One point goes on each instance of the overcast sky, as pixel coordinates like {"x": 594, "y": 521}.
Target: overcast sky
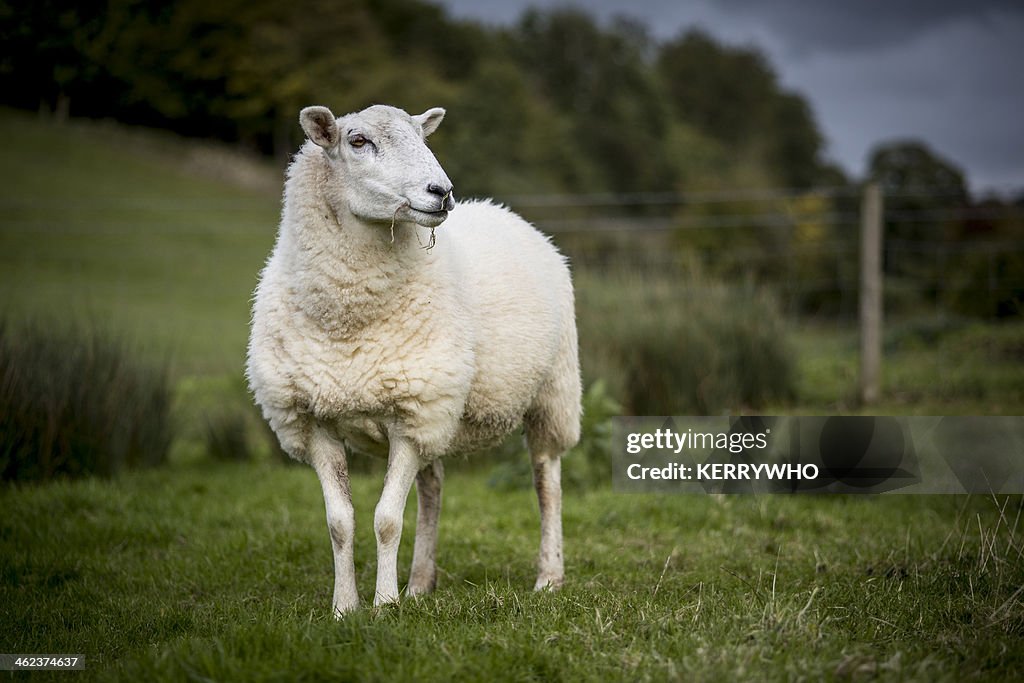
{"x": 950, "y": 72}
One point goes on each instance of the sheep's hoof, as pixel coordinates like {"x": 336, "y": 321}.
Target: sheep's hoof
{"x": 343, "y": 610}
{"x": 385, "y": 601}
{"x": 548, "y": 583}
{"x": 419, "y": 585}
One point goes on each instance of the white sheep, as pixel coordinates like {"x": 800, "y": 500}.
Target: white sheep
{"x": 368, "y": 335}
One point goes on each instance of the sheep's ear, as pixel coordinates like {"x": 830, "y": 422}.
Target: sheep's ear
{"x": 320, "y": 125}
{"x": 430, "y": 120}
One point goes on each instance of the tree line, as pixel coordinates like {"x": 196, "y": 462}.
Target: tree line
{"x": 558, "y": 103}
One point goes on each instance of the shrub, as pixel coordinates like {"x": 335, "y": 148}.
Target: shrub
{"x": 589, "y": 463}
{"x": 679, "y": 345}
{"x": 921, "y": 332}
{"x": 75, "y": 403}
{"x": 986, "y": 284}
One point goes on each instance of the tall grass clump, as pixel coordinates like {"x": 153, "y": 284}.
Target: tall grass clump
{"x": 227, "y": 437}
{"x": 75, "y": 402}
{"x": 677, "y": 344}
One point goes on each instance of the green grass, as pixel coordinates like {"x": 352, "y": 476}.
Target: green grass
{"x": 976, "y": 369}
{"x": 223, "y": 572}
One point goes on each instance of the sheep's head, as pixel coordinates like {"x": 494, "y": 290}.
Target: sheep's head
{"x": 385, "y": 172}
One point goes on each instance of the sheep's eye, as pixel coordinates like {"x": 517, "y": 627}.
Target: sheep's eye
{"x": 357, "y": 141}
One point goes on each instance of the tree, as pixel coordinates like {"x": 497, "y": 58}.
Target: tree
{"x": 732, "y": 95}
{"x": 794, "y": 143}
{"x": 503, "y": 139}
{"x": 586, "y": 105}
{"x": 724, "y": 92}
{"x": 924, "y": 194}
{"x": 910, "y": 167}
{"x": 49, "y": 52}
{"x": 598, "y": 78}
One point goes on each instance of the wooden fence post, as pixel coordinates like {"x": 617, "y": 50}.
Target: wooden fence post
{"x": 870, "y": 293}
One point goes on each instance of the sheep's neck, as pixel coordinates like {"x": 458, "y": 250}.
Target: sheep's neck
{"x": 350, "y": 274}
{"x": 345, "y": 273}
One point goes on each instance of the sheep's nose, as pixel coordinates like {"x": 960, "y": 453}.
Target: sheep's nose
{"x": 445, "y": 195}
{"x": 441, "y": 192}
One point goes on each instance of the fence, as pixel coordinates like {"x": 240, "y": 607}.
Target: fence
{"x": 828, "y": 252}
{"x": 938, "y": 259}
{"x": 803, "y": 244}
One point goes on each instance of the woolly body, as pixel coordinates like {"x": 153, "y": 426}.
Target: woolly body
{"x": 457, "y": 344}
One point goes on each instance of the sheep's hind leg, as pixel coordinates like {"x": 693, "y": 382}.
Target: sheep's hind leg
{"x": 328, "y": 459}
{"x": 547, "y": 479}
{"x": 423, "y": 577}
{"x": 403, "y": 464}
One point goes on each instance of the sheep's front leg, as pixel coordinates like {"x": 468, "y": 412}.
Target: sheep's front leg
{"x": 328, "y": 458}
{"x": 403, "y": 464}
{"x": 423, "y": 577}
{"x": 547, "y": 479}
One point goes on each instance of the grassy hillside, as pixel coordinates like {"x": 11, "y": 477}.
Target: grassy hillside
{"x": 137, "y": 231}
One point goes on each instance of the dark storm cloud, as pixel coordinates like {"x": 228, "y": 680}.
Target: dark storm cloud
{"x": 957, "y": 87}
{"x": 864, "y": 24}
{"x": 825, "y": 24}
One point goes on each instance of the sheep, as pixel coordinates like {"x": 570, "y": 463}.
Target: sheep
{"x": 375, "y": 328}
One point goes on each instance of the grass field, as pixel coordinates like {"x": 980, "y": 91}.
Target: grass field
{"x": 202, "y": 571}
{"x": 135, "y": 232}
{"x": 224, "y": 573}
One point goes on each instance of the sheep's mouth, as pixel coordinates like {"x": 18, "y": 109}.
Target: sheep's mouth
{"x": 439, "y": 212}
{"x": 428, "y": 218}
